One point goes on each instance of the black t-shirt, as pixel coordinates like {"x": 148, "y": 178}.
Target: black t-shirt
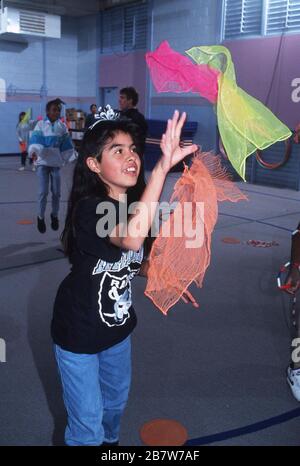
{"x": 137, "y": 118}
{"x": 93, "y": 309}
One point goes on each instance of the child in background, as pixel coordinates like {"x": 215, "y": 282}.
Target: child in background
{"x": 50, "y": 147}
{"x": 128, "y": 100}
{"x": 90, "y": 119}
{"x": 93, "y": 313}
{"x": 23, "y": 129}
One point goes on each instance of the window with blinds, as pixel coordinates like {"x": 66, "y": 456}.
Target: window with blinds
{"x": 259, "y": 17}
{"x": 242, "y": 17}
{"x": 283, "y": 15}
{"x": 112, "y": 30}
{"x": 124, "y": 28}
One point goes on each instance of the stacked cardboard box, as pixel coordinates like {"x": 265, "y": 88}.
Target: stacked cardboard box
{"x": 76, "y": 118}
{"x": 75, "y": 121}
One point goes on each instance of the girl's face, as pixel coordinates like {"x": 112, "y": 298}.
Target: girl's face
{"x": 120, "y": 164}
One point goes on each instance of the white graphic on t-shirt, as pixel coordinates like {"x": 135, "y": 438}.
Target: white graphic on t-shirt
{"x": 121, "y": 306}
{"x": 118, "y": 290}
{"x": 126, "y": 259}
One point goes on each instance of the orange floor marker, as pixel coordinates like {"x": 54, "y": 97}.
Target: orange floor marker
{"x": 25, "y": 222}
{"x": 163, "y": 432}
{"x": 231, "y": 240}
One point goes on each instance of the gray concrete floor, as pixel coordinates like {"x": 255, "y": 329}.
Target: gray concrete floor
{"x": 216, "y": 369}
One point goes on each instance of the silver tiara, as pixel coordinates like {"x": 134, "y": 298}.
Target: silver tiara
{"x": 105, "y": 114}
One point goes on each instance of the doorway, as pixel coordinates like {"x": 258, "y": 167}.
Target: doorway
{"x": 110, "y": 95}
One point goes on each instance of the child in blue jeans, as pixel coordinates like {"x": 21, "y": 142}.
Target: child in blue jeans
{"x": 93, "y": 313}
{"x": 50, "y": 146}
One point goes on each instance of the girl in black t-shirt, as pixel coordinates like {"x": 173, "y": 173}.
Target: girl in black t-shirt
{"x": 93, "y": 314}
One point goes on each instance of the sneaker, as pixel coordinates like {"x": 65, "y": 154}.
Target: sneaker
{"x": 293, "y": 379}
{"x": 21, "y": 169}
{"x": 54, "y": 222}
{"x": 33, "y": 168}
{"x": 41, "y": 225}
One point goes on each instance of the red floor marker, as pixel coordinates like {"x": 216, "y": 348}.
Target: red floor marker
{"x": 25, "y": 222}
{"x": 163, "y": 432}
{"x": 231, "y": 240}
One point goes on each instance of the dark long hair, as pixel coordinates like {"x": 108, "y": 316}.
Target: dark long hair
{"x": 87, "y": 184}
{"x": 21, "y": 115}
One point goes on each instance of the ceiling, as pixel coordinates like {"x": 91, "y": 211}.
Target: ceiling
{"x": 65, "y": 7}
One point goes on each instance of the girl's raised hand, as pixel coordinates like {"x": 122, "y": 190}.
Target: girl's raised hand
{"x": 172, "y": 153}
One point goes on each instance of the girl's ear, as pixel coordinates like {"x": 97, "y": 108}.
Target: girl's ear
{"x": 93, "y": 164}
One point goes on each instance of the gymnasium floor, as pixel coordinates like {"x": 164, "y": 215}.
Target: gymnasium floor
{"x": 219, "y": 370}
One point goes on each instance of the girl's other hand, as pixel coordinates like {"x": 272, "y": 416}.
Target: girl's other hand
{"x": 172, "y": 153}
{"x": 187, "y": 297}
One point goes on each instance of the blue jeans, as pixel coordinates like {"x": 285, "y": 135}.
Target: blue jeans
{"x": 95, "y": 391}
{"x": 44, "y": 173}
